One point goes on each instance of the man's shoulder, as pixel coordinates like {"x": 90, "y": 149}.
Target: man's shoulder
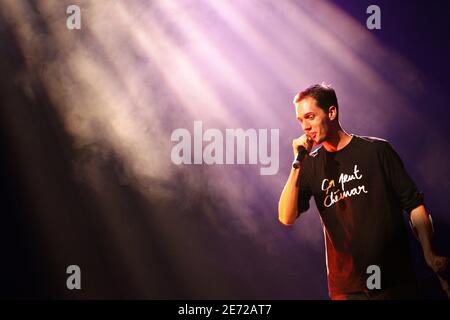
{"x": 370, "y": 141}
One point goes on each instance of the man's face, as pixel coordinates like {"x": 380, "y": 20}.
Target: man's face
{"x": 314, "y": 121}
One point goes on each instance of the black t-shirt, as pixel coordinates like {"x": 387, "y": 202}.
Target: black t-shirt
{"x": 361, "y": 192}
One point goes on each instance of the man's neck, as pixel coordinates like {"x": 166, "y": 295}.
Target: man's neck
{"x": 337, "y": 140}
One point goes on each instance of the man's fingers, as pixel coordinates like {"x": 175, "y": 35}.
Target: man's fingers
{"x": 444, "y": 285}
{"x": 439, "y": 266}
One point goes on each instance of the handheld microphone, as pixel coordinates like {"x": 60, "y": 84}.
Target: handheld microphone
{"x": 302, "y": 153}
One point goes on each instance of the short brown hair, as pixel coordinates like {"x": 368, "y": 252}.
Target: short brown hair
{"x": 324, "y": 95}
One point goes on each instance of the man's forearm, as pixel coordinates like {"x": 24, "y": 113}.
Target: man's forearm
{"x": 287, "y": 206}
{"x": 424, "y": 231}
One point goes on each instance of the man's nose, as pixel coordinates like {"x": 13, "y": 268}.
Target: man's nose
{"x": 306, "y": 127}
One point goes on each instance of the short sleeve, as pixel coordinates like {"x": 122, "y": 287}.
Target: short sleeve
{"x": 402, "y": 185}
{"x": 304, "y": 193}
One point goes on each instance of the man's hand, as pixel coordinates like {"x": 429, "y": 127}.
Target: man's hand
{"x": 437, "y": 263}
{"x": 423, "y": 230}
{"x": 302, "y": 141}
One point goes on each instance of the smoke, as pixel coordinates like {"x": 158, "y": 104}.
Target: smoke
{"x": 136, "y": 71}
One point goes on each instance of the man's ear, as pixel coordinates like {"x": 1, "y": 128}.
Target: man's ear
{"x": 332, "y": 113}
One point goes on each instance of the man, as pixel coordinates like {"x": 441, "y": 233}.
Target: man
{"x": 361, "y": 190}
